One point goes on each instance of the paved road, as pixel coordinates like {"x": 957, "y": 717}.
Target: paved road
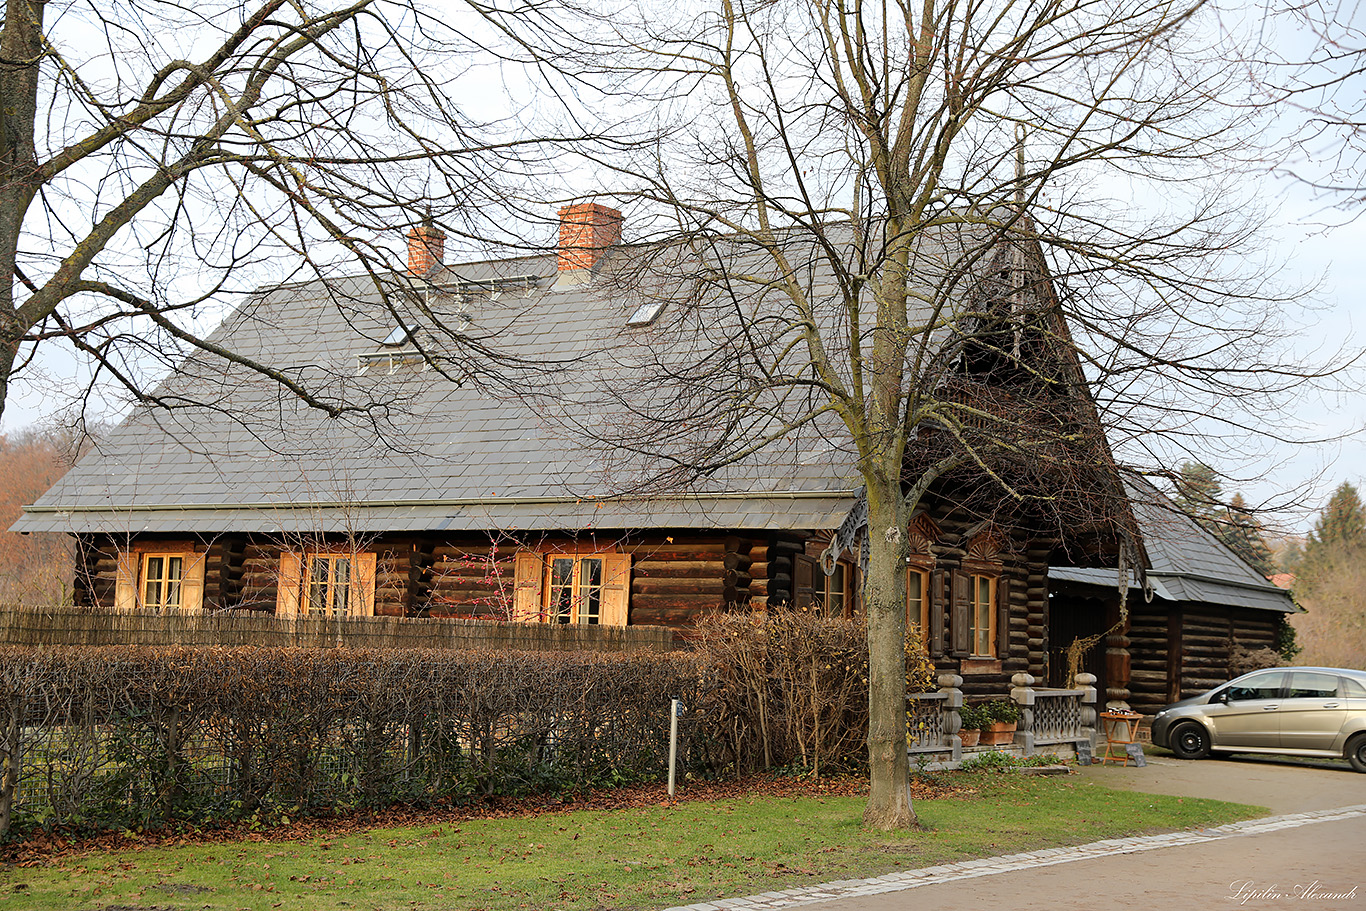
{"x": 1255, "y": 872}
{"x": 1318, "y": 864}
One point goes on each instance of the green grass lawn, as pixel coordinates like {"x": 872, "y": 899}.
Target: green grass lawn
{"x": 633, "y": 858}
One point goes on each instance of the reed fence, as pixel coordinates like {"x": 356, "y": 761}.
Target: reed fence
{"x": 70, "y": 626}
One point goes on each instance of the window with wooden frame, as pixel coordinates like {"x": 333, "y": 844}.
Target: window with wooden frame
{"x": 982, "y": 612}
{"x": 326, "y": 583}
{"x": 834, "y": 595}
{"x": 980, "y": 600}
{"x": 581, "y": 587}
{"x": 160, "y": 576}
{"x": 835, "y": 592}
{"x": 918, "y": 600}
{"x": 924, "y": 599}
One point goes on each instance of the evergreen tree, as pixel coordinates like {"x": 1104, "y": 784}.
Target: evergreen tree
{"x": 1337, "y": 542}
{"x": 1342, "y": 522}
{"x": 1241, "y": 531}
{"x": 1198, "y": 493}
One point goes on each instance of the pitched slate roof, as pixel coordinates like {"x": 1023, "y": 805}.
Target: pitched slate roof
{"x": 1188, "y": 564}
{"x": 244, "y": 455}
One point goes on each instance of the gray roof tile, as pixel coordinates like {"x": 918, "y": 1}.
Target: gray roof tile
{"x": 1188, "y": 564}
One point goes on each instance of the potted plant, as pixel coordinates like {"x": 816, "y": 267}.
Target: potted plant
{"x": 1002, "y": 717}
{"x": 974, "y": 719}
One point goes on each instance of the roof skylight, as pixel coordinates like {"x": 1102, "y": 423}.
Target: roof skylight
{"x": 645, "y": 314}
{"x": 399, "y": 336}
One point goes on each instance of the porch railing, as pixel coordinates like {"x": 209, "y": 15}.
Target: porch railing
{"x": 1048, "y": 715}
{"x": 1051, "y": 716}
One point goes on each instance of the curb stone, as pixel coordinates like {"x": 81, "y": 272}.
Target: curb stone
{"x": 989, "y": 866}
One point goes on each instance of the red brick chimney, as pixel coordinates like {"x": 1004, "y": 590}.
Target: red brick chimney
{"x": 587, "y": 230}
{"x": 426, "y": 248}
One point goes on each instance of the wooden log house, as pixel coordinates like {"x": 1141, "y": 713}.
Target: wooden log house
{"x": 473, "y": 505}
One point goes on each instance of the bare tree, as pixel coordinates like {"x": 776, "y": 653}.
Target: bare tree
{"x": 159, "y": 160}
{"x": 37, "y": 569}
{"x": 1311, "y": 62}
{"x": 955, "y": 241}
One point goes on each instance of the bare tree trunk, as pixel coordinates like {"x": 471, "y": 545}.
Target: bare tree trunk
{"x": 21, "y": 48}
{"x": 884, "y": 603}
{"x": 10, "y": 771}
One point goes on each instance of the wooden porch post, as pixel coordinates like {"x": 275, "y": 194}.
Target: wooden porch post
{"x": 1117, "y": 666}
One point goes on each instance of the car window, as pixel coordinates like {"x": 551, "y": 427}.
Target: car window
{"x": 1305, "y": 685}
{"x": 1262, "y": 686}
{"x": 1353, "y": 688}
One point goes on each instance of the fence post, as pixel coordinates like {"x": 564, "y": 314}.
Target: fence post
{"x": 1022, "y": 692}
{"x": 11, "y": 749}
{"x": 1087, "y": 683}
{"x": 953, "y": 723}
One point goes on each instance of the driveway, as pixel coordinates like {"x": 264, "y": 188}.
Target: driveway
{"x": 1310, "y": 855}
{"x": 1281, "y": 785}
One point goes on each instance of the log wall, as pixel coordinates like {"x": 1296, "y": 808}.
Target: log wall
{"x": 1149, "y": 653}
{"x": 472, "y": 579}
{"x": 1179, "y": 651}
{"x": 675, "y": 577}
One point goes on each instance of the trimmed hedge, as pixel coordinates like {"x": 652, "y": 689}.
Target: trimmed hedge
{"x": 109, "y": 737}
{"x": 94, "y": 738}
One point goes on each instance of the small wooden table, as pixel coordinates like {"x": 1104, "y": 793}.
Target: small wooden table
{"x": 1121, "y": 729}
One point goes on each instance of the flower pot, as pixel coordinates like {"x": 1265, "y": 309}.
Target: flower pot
{"x": 969, "y": 736}
{"x": 1000, "y": 733}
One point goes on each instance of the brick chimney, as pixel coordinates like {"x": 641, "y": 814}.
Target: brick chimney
{"x": 426, "y": 248}
{"x": 587, "y": 230}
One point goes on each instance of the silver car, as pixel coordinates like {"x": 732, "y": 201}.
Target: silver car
{"x": 1301, "y": 711}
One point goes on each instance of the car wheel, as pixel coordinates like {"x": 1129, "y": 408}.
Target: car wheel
{"x": 1189, "y": 741}
{"x": 1356, "y": 752}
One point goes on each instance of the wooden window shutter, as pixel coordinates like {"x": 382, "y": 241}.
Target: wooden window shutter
{"x": 362, "y": 595}
{"x": 960, "y": 614}
{"x": 126, "y": 581}
{"x": 192, "y": 583}
{"x": 1003, "y": 616}
{"x": 287, "y": 587}
{"x": 526, "y": 597}
{"x": 935, "y": 634}
{"x": 616, "y": 589}
{"x": 804, "y": 581}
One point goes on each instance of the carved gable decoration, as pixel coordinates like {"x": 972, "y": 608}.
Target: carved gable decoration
{"x": 986, "y": 546}
{"x": 922, "y": 533}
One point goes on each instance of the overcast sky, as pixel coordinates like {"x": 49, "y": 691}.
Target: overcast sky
{"x": 1319, "y": 245}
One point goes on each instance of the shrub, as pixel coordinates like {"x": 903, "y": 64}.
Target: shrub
{"x": 1001, "y": 761}
{"x": 1003, "y": 711}
{"x": 974, "y": 718}
{"x": 790, "y": 687}
{"x": 1244, "y": 660}
{"x": 142, "y": 737}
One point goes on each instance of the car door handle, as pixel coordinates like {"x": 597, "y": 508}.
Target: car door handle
{"x": 1270, "y": 708}
{"x": 1330, "y": 705}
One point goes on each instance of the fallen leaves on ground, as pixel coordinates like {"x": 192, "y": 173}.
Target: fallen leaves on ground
{"x": 44, "y": 849}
